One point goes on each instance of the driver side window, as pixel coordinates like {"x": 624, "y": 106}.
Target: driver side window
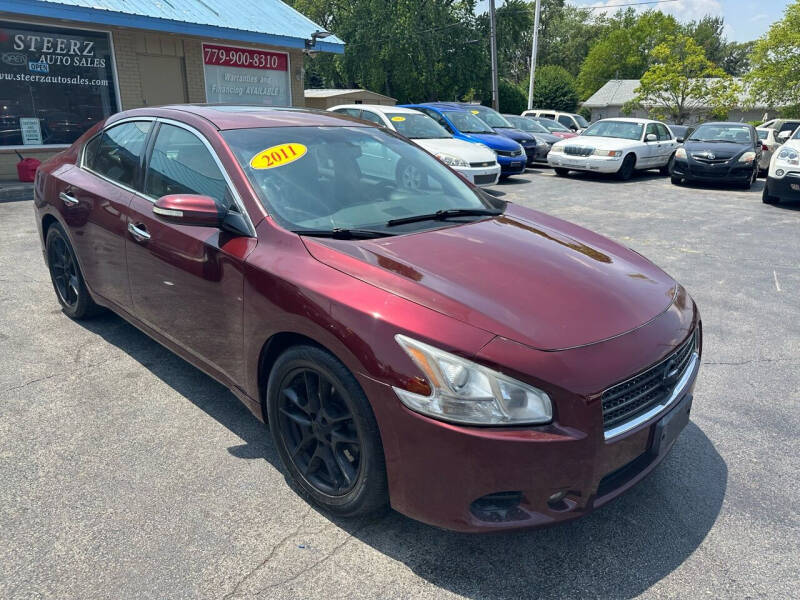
{"x": 180, "y": 163}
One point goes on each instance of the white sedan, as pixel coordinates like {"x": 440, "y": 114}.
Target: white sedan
{"x": 476, "y": 162}
{"x": 619, "y": 146}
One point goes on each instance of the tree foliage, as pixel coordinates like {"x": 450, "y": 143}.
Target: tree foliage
{"x": 512, "y": 98}
{"x": 775, "y": 78}
{"x": 682, "y": 81}
{"x": 555, "y": 88}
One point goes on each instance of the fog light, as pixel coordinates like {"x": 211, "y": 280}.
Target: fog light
{"x": 556, "y": 498}
{"x": 499, "y": 507}
{"x": 779, "y": 172}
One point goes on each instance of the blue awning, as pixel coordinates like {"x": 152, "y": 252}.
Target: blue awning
{"x": 268, "y": 22}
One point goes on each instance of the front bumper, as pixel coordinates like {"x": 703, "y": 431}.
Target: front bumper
{"x": 786, "y": 187}
{"x": 596, "y": 164}
{"x": 511, "y": 165}
{"x": 480, "y": 176}
{"x": 724, "y": 172}
{"x": 449, "y": 475}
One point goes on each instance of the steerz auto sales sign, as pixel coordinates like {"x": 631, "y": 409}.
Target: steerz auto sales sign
{"x": 246, "y": 76}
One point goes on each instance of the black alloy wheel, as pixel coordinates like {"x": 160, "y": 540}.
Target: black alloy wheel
{"x": 627, "y": 168}
{"x": 66, "y": 275}
{"x": 325, "y": 432}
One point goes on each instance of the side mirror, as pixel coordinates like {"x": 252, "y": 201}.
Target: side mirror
{"x": 650, "y": 137}
{"x": 679, "y": 140}
{"x": 784, "y": 135}
{"x": 189, "y": 209}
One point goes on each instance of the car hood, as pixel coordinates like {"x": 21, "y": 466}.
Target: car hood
{"x": 720, "y": 150}
{"x": 515, "y": 134}
{"x": 493, "y": 140}
{"x": 603, "y": 143}
{"x": 524, "y": 275}
{"x": 546, "y": 137}
{"x": 467, "y": 151}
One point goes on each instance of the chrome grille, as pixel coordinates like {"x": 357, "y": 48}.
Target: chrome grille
{"x": 488, "y": 163}
{"x": 578, "y": 150}
{"x": 629, "y": 399}
{"x": 510, "y": 152}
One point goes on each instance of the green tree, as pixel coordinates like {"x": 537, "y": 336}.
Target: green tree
{"x": 512, "y": 98}
{"x": 708, "y": 32}
{"x": 555, "y": 88}
{"x": 775, "y": 75}
{"x": 624, "y": 52}
{"x": 682, "y": 82}
{"x": 736, "y": 58}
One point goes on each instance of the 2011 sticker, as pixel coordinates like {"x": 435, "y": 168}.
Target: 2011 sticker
{"x": 398, "y": 119}
{"x": 277, "y": 156}
{"x": 474, "y": 112}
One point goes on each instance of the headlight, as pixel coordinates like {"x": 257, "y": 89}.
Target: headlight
{"x": 680, "y": 153}
{"x": 788, "y": 156}
{"x": 747, "y": 157}
{"x": 612, "y": 153}
{"x": 556, "y": 149}
{"x": 453, "y": 161}
{"x": 466, "y": 392}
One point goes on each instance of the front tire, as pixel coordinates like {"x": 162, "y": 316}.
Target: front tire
{"x": 667, "y": 168}
{"x": 676, "y": 180}
{"x": 627, "y": 168}
{"x": 65, "y": 273}
{"x": 766, "y": 198}
{"x": 325, "y": 432}
{"x": 561, "y": 172}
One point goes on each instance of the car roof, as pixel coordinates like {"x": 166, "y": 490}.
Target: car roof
{"x": 629, "y": 120}
{"x": 231, "y": 116}
{"x": 443, "y": 106}
{"x": 381, "y": 108}
{"x": 724, "y": 123}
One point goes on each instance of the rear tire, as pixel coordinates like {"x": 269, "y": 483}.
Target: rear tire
{"x": 561, "y": 172}
{"x": 325, "y": 432}
{"x": 65, "y": 273}
{"x": 627, "y": 168}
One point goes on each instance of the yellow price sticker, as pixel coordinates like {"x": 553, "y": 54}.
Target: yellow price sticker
{"x": 398, "y": 119}
{"x": 277, "y": 156}
{"x": 474, "y": 112}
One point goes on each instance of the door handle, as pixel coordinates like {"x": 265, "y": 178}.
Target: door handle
{"x": 67, "y": 199}
{"x": 139, "y": 232}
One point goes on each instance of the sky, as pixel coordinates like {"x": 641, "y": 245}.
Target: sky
{"x": 745, "y": 19}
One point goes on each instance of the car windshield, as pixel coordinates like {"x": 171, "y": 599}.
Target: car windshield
{"x": 490, "y": 117}
{"x": 466, "y": 122}
{"x": 417, "y": 126}
{"x": 626, "y": 130}
{"x": 333, "y": 178}
{"x": 710, "y": 132}
{"x": 551, "y": 125}
{"x": 526, "y": 124}
{"x": 581, "y": 121}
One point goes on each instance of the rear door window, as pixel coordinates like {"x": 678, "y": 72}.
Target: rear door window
{"x": 566, "y": 120}
{"x": 116, "y": 153}
{"x": 663, "y": 133}
{"x": 548, "y": 116}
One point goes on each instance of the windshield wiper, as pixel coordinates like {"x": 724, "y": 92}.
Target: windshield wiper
{"x": 339, "y": 233}
{"x": 441, "y": 215}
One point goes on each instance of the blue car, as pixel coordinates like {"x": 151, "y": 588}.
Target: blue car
{"x": 504, "y": 127}
{"x": 466, "y": 126}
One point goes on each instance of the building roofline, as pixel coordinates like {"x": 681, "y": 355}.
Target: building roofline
{"x": 98, "y": 16}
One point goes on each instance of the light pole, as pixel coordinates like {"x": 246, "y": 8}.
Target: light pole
{"x": 493, "y": 40}
{"x": 534, "y": 47}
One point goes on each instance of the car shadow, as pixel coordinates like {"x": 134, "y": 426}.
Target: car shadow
{"x": 612, "y": 178}
{"x": 758, "y": 186}
{"x": 513, "y": 180}
{"x": 619, "y": 551}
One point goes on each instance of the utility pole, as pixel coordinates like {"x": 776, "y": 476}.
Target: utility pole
{"x": 534, "y": 48}
{"x": 493, "y": 36}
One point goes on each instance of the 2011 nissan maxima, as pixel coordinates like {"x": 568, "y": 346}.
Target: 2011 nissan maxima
{"x": 472, "y": 363}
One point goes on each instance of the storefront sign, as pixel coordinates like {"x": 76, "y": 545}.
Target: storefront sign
{"x": 55, "y": 83}
{"x": 31, "y": 131}
{"x": 246, "y": 76}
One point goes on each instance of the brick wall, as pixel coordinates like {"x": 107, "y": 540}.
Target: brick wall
{"x": 128, "y": 44}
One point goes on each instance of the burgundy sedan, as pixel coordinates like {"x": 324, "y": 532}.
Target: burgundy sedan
{"x": 472, "y": 363}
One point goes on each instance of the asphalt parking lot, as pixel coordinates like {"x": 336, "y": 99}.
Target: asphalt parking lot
{"x": 127, "y": 473}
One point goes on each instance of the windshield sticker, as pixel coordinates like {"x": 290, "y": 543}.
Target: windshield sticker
{"x": 398, "y": 119}
{"x": 277, "y": 156}
{"x": 474, "y": 112}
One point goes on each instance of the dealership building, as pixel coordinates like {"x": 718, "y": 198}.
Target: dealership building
{"x": 66, "y": 64}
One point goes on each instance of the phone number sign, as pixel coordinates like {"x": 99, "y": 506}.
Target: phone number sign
{"x": 246, "y": 75}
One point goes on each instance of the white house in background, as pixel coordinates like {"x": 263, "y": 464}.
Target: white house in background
{"x": 609, "y": 100}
